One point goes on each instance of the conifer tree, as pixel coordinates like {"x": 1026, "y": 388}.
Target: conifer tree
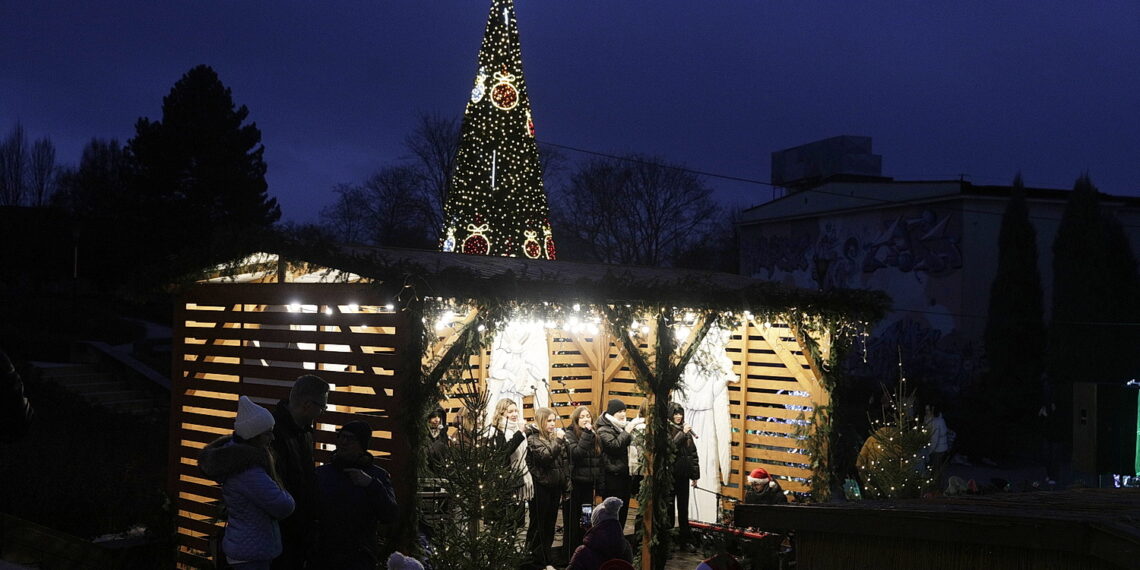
{"x": 1092, "y": 336}
{"x": 496, "y": 204}
{"x": 1015, "y": 327}
{"x": 481, "y": 528}
{"x": 199, "y": 174}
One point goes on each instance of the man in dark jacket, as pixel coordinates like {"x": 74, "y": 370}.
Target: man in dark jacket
{"x": 293, "y": 449}
{"x": 610, "y": 428}
{"x": 686, "y": 469}
{"x": 355, "y": 497}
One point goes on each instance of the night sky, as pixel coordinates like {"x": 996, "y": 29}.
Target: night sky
{"x": 980, "y": 88}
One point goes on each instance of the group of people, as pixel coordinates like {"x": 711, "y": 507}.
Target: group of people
{"x": 568, "y": 468}
{"x": 282, "y": 511}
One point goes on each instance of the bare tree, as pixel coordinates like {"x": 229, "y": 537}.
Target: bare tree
{"x": 13, "y": 167}
{"x": 391, "y": 208}
{"x": 41, "y": 174}
{"x": 636, "y": 210}
{"x": 347, "y": 218}
{"x": 433, "y": 145}
{"x": 401, "y": 208}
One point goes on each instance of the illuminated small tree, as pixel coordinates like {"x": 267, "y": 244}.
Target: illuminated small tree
{"x": 496, "y": 204}
{"x": 481, "y": 528}
{"x": 891, "y": 462}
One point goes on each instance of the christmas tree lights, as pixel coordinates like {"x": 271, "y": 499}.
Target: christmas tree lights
{"x": 497, "y": 205}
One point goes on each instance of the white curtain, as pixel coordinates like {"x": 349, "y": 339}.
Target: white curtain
{"x": 705, "y": 398}
{"x": 520, "y": 362}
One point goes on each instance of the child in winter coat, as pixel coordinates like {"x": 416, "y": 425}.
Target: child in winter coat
{"x": 253, "y": 497}
{"x": 604, "y": 541}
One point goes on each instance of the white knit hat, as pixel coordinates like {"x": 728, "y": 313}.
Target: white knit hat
{"x": 607, "y": 509}
{"x": 252, "y": 420}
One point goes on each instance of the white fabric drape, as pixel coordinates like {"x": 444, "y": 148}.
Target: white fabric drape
{"x": 704, "y": 396}
{"x": 520, "y": 363}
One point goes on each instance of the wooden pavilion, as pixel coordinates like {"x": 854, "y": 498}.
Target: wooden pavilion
{"x": 357, "y": 317}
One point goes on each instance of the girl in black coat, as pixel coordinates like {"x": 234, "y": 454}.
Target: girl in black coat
{"x": 549, "y": 466}
{"x": 610, "y": 429}
{"x": 686, "y": 468}
{"x": 585, "y": 473}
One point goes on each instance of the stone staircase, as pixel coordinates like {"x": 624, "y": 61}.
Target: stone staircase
{"x": 102, "y": 380}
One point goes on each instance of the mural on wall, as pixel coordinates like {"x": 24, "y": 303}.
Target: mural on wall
{"x": 838, "y": 251}
{"x": 907, "y": 254}
{"x": 915, "y": 244}
{"x": 940, "y": 363}
{"x": 787, "y": 253}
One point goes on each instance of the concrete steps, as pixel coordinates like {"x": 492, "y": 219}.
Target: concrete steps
{"x": 101, "y": 389}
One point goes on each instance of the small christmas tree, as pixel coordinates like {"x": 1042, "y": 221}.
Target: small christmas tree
{"x": 892, "y": 461}
{"x": 481, "y": 528}
{"x": 497, "y": 205}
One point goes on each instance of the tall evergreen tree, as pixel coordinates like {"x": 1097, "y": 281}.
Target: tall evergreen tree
{"x": 1015, "y": 332}
{"x": 200, "y": 175}
{"x": 1093, "y": 334}
{"x": 496, "y": 204}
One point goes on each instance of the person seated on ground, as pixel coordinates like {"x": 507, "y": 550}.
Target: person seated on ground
{"x": 763, "y": 489}
{"x": 251, "y": 491}
{"x": 604, "y": 541}
{"x": 354, "y": 497}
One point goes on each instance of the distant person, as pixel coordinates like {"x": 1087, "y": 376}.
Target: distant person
{"x": 763, "y": 489}
{"x": 253, "y": 496}
{"x": 437, "y": 440}
{"x": 356, "y": 496}
{"x": 549, "y": 464}
{"x": 616, "y": 481}
{"x": 293, "y": 448}
{"x": 15, "y": 411}
{"x": 686, "y": 473}
{"x": 939, "y": 437}
{"x": 585, "y": 475}
{"x": 604, "y": 541}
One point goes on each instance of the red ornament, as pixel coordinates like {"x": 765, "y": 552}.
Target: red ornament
{"x": 477, "y": 243}
{"x": 531, "y": 247}
{"x": 551, "y": 253}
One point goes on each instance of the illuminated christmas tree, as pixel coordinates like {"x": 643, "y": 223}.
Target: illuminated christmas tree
{"x": 497, "y": 205}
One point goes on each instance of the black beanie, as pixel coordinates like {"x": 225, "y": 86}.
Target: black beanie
{"x": 614, "y": 406}
{"x": 360, "y": 430}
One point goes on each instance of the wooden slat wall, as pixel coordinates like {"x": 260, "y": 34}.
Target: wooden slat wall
{"x": 254, "y": 340}
{"x": 777, "y": 389}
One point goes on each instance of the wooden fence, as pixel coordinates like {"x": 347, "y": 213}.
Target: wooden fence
{"x": 254, "y": 340}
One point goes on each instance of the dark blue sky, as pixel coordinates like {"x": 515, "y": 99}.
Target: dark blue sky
{"x": 977, "y": 87}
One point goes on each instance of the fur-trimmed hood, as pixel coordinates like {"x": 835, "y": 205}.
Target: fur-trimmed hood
{"x": 224, "y": 458}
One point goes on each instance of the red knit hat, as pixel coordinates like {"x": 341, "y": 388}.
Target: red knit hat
{"x": 759, "y": 475}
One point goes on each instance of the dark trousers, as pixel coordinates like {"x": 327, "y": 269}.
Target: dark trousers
{"x": 572, "y": 531}
{"x": 618, "y": 485}
{"x": 681, "y": 499}
{"x": 296, "y": 537}
{"x": 540, "y": 533}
